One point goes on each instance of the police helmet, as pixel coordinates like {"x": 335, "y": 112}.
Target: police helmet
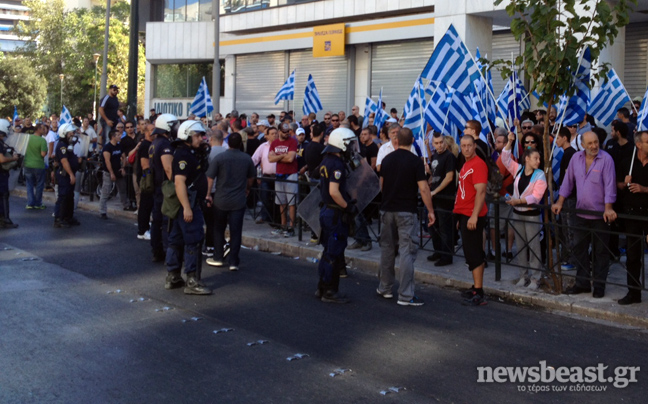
{"x": 5, "y": 127}
{"x": 338, "y": 140}
{"x": 165, "y": 123}
{"x": 65, "y": 129}
{"x": 190, "y": 128}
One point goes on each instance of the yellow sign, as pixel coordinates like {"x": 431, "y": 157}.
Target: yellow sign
{"x": 328, "y": 40}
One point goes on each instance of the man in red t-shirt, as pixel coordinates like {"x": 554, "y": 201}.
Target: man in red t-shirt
{"x": 283, "y": 151}
{"x": 470, "y": 208}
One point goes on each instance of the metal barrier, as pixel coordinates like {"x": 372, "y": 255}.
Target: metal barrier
{"x": 556, "y": 230}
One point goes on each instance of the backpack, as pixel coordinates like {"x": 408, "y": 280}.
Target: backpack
{"x": 495, "y": 177}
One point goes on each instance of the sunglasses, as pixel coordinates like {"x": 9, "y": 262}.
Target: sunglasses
{"x": 574, "y": 126}
{"x": 527, "y": 127}
{"x": 129, "y": 127}
{"x": 530, "y": 142}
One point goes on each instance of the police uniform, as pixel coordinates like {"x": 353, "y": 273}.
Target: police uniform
{"x": 64, "y": 208}
{"x": 159, "y": 237}
{"x": 335, "y": 230}
{"x": 185, "y": 239}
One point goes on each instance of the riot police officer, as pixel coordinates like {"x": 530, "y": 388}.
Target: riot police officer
{"x": 186, "y": 235}
{"x": 336, "y": 214}
{"x": 161, "y": 158}
{"x": 67, "y": 166}
{"x": 9, "y": 160}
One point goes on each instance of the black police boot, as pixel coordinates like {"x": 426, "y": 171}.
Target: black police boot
{"x": 58, "y": 223}
{"x": 194, "y": 286}
{"x": 174, "y": 280}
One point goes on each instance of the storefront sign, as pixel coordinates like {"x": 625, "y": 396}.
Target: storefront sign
{"x": 177, "y": 106}
{"x": 328, "y": 40}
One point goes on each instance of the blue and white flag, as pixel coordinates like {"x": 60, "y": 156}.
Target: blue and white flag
{"x": 287, "y": 91}
{"x": 418, "y": 92}
{"x": 202, "y": 103}
{"x": 452, "y": 64}
{"x": 381, "y": 116}
{"x": 312, "y": 102}
{"x": 609, "y": 99}
{"x": 577, "y": 104}
{"x": 370, "y": 107}
{"x": 485, "y": 89}
{"x": 436, "y": 111}
{"x": 66, "y": 117}
{"x": 461, "y": 108}
{"x": 642, "y": 116}
{"x": 15, "y": 116}
{"x": 513, "y": 99}
{"x": 414, "y": 116}
{"x": 555, "y": 162}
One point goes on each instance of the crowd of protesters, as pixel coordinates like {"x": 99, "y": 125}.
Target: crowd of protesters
{"x": 602, "y": 173}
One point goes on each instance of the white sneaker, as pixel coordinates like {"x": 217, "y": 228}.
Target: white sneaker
{"x": 233, "y": 268}
{"x": 214, "y": 263}
{"x": 521, "y": 282}
{"x": 145, "y": 236}
{"x": 533, "y": 285}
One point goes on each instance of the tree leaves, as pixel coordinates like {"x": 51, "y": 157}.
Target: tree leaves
{"x": 64, "y": 42}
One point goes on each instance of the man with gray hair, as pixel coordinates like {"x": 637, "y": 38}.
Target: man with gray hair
{"x": 216, "y": 143}
{"x": 390, "y": 146}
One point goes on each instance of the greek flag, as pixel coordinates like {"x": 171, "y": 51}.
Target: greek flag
{"x": 202, "y": 104}
{"x": 609, "y": 99}
{"x": 642, "y": 116}
{"x": 461, "y": 108}
{"x": 418, "y": 92}
{"x": 66, "y": 117}
{"x": 381, "y": 116}
{"x": 15, "y": 116}
{"x": 414, "y": 115}
{"x": 287, "y": 91}
{"x": 436, "y": 111}
{"x": 312, "y": 102}
{"x": 452, "y": 64}
{"x": 514, "y": 99}
{"x": 555, "y": 162}
{"x": 576, "y": 107}
{"x": 370, "y": 107}
{"x": 482, "y": 90}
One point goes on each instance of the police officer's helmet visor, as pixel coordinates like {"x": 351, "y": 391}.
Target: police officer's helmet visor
{"x": 331, "y": 149}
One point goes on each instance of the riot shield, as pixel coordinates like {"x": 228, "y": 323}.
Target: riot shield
{"x": 19, "y": 142}
{"x": 83, "y": 145}
{"x": 363, "y": 185}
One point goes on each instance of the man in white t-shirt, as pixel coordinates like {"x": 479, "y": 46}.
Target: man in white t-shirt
{"x": 391, "y": 145}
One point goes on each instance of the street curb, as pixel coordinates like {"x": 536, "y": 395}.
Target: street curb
{"x": 562, "y": 303}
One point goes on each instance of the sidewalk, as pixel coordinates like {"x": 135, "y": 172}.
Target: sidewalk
{"x": 455, "y": 276}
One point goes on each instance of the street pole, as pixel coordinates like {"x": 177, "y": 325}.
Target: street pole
{"x": 61, "y": 76}
{"x": 216, "y": 73}
{"x": 94, "y": 97}
{"x": 133, "y": 53}
{"x": 104, "y": 68}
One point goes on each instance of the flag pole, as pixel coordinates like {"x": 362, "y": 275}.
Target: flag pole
{"x": 564, "y": 112}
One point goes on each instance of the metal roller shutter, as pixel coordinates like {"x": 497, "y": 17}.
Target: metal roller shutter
{"x": 504, "y": 44}
{"x": 395, "y": 67}
{"x": 330, "y": 75}
{"x": 258, "y": 78}
{"x": 636, "y": 59}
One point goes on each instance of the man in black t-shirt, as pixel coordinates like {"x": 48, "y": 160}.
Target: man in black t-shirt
{"x": 442, "y": 185}
{"x": 128, "y": 144}
{"x": 403, "y": 175}
{"x": 113, "y": 174}
{"x": 146, "y": 198}
{"x": 108, "y": 107}
{"x": 620, "y": 148}
{"x": 563, "y": 140}
{"x": 634, "y": 187}
{"x": 313, "y": 152}
{"x": 368, "y": 149}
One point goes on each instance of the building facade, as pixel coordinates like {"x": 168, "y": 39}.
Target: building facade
{"x": 384, "y": 45}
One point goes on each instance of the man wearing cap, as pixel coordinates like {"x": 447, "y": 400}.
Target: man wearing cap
{"x": 283, "y": 151}
{"x": 108, "y": 108}
{"x": 262, "y": 127}
{"x": 271, "y": 120}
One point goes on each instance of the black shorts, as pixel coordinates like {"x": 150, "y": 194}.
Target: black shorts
{"x": 473, "y": 241}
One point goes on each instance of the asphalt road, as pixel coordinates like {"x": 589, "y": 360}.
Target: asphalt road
{"x": 64, "y": 338}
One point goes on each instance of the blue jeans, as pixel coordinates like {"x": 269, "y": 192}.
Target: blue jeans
{"x": 35, "y": 179}
{"x": 235, "y": 220}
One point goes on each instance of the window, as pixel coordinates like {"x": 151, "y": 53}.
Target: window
{"x": 182, "y": 80}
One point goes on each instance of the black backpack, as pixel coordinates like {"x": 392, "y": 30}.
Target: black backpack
{"x": 495, "y": 177}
